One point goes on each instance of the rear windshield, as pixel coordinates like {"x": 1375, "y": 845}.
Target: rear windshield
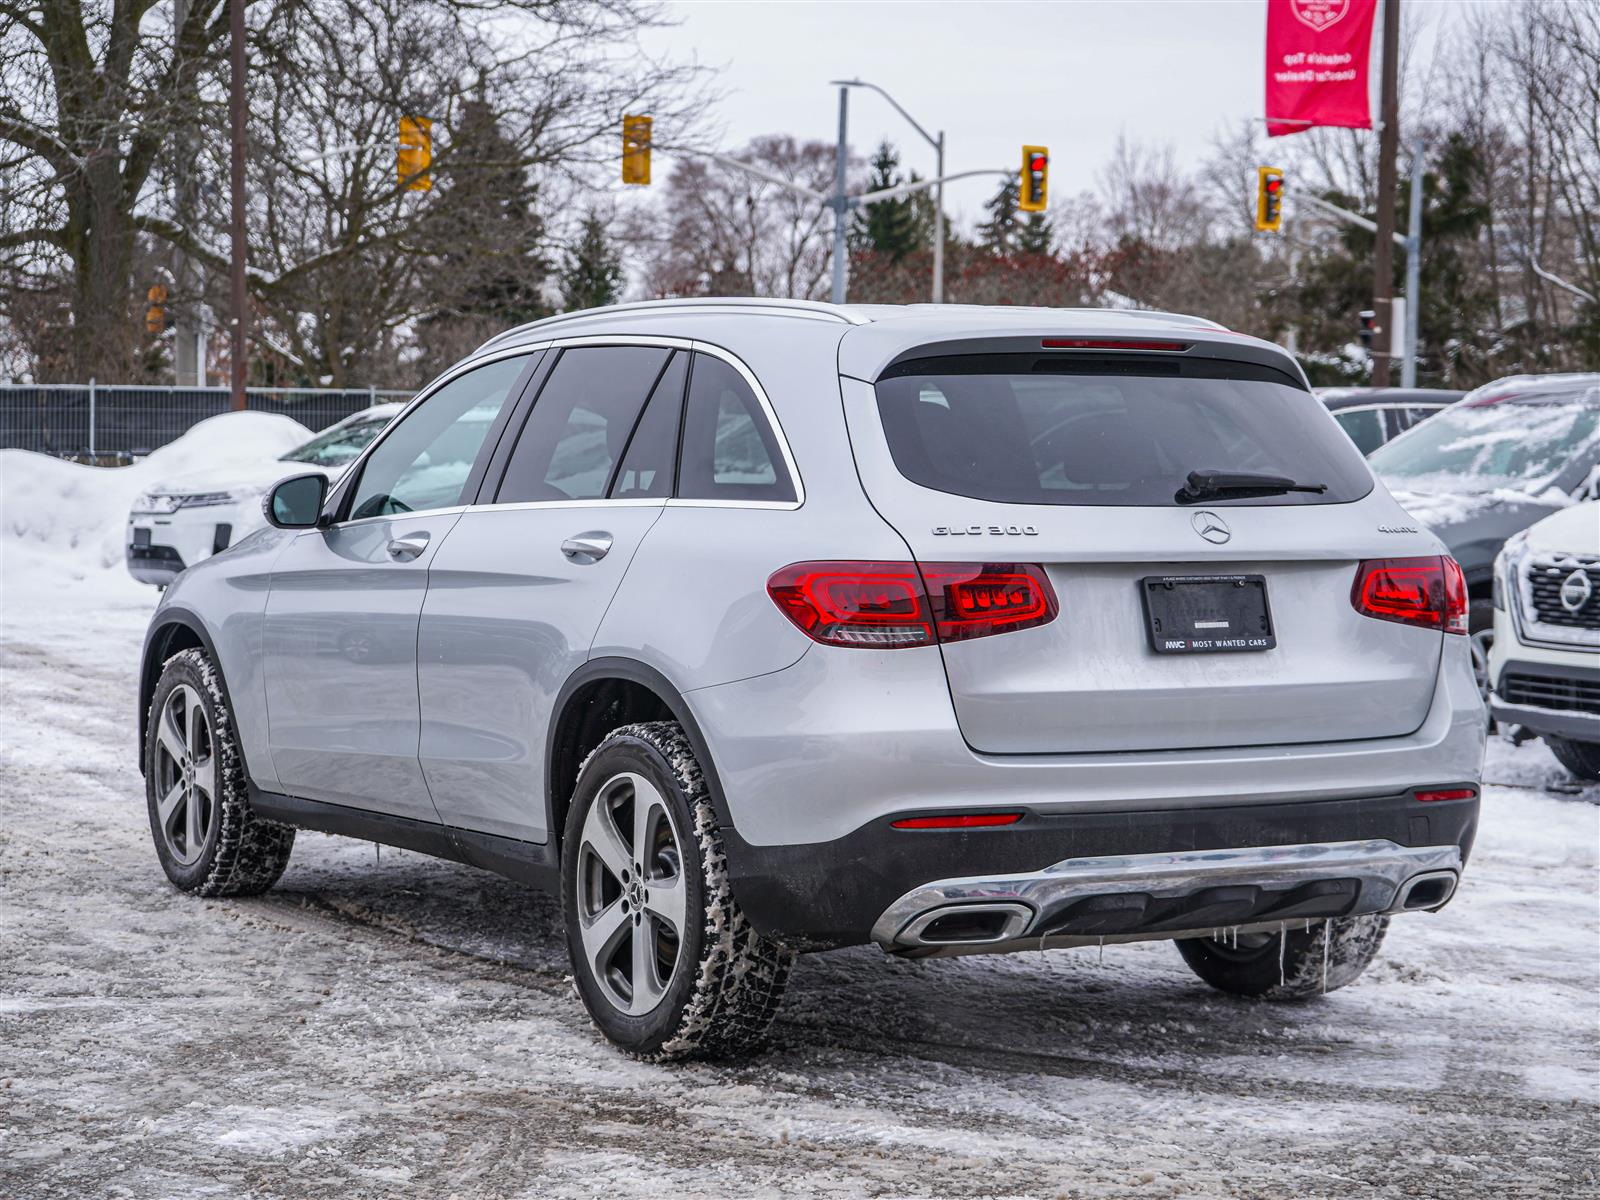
{"x": 1125, "y": 431}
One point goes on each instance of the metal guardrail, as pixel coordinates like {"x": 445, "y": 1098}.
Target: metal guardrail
{"x": 116, "y": 423}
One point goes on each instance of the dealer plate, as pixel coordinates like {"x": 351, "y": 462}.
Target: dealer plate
{"x": 1207, "y": 614}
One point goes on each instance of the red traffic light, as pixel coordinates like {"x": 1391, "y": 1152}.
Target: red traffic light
{"x": 1274, "y": 185}
{"x": 1036, "y": 163}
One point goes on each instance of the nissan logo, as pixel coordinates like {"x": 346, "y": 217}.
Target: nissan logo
{"x": 1575, "y": 591}
{"x": 1211, "y": 527}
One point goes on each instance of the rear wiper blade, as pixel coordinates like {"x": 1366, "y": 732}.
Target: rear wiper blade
{"x": 1205, "y": 484}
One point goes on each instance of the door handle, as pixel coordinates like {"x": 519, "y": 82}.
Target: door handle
{"x": 404, "y": 549}
{"x": 587, "y": 547}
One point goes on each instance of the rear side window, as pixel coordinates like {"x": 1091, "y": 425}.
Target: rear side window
{"x": 579, "y": 427}
{"x": 647, "y": 464}
{"x": 729, "y": 449}
{"x": 1020, "y": 429}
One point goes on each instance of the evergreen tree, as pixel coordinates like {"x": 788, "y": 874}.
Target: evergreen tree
{"x": 592, "y": 276}
{"x": 490, "y": 226}
{"x": 888, "y": 227}
{"x": 999, "y": 233}
{"x": 1036, "y": 235}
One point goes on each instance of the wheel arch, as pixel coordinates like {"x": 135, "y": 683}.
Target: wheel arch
{"x": 602, "y": 695}
{"x": 173, "y": 631}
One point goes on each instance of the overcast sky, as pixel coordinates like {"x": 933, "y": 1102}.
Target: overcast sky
{"x": 993, "y": 75}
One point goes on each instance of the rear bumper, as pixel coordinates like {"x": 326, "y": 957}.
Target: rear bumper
{"x": 1150, "y": 873}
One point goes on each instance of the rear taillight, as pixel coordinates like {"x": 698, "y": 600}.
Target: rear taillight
{"x": 1431, "y": 795}
{"x": 890, "y": 606}
{"x": 1430, "y": 592}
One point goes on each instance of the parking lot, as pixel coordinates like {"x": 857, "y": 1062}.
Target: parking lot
{"x": 387, "y": 1024}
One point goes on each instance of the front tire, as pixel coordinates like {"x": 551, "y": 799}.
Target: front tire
{"x": 207, "y": 839}
{"x": 1294, "y": 964}
{"x": 664, "y": 959}
{"x": 1582, "y": 759}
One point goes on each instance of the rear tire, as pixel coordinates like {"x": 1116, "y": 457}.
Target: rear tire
{"x": 664, "y": 959}
{"x": 207, "y": 839}
{"x": 1294, "y": 964}
{"x": 1581, "y": 759}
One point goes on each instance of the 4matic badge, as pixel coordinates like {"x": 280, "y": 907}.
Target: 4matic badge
{"x": 979, "y": 530}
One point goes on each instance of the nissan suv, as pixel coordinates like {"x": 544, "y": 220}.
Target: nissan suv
{"x": 759, "y": 627}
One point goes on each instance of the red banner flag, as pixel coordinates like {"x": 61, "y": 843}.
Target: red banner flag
{"x": 1317, "y": 59}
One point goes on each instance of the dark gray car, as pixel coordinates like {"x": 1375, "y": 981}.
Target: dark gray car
{"x": 1509, "y": 454}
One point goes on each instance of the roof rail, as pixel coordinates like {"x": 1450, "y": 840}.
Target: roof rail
{"x": 772, "y": 306}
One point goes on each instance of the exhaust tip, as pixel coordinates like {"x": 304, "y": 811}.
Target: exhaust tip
{"x": 1427, "y": 891}
{"x": 967, "y": 925}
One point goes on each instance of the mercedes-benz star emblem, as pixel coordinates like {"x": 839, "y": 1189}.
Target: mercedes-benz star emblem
{"x": 1575, "y": 591}
{"x": 1211, "y": 527}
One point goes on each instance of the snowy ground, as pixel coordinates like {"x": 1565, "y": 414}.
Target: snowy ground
{"x": 390, "y": 1025}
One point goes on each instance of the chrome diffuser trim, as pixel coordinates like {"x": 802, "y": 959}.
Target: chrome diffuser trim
{"x": 1382, "y": 867}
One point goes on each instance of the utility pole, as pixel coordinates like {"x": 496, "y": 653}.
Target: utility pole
{"x": 1408, "y": 369}
{"x": 186, "y": 310}
{"x": 1388, "y": 146}
{"x": 236, "y": 232}
{"x": 839, "y": 203}
{"x": 938, "y": 226}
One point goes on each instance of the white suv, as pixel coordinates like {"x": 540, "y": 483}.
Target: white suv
{"x": 758, "y": 627}
{"x": 1544, "y": 667}
{"x": 176, "y": 524}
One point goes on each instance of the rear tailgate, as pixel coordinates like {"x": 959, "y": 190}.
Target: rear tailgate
{"x": 1093, "y": 680}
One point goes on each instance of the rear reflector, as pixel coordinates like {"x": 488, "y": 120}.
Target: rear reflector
{"x": 1447, "y": 794}
{"x": 1111, "y": 344}
{"x": 964, "y": 821}
{"x": 1430, "y": 592}
{"x": 890, "y": 605}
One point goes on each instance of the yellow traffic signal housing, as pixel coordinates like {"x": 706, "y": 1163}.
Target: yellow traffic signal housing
{"x": 415, "y": 156}
{"x": 1035, "y": 191}
{"x": 155, "y": 317}
{"x": 635, "y": 149}
{"x": 1269, "y": 199}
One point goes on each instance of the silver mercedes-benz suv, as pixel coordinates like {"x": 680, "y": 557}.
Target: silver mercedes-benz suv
{"x": 755, "y": 627}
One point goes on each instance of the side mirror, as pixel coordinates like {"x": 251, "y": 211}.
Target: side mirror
{"x": 296, "y": 502}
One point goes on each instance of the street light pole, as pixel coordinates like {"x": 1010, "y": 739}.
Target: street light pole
{"x": 1388, "y": 146}
{"x": 938, "y": 196}
{"x": 839, "y": 203}
{"x": 236, "y": 113}
{"x": 938, "y": 226}
{"x": 1408, "y": 369}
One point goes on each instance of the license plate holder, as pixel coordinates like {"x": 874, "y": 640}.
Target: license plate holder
{"x": 141, "y": 535}
{"x": 1207, "y": 614}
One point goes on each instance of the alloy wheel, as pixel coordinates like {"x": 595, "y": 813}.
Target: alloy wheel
{"x": 185, "y": 771}
{"x": 631, "y": 893}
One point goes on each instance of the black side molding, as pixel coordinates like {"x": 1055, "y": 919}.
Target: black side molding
{"x": 527, "y": 862}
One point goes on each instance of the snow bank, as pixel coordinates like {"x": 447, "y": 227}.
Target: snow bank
{"x": 62, "y": 524}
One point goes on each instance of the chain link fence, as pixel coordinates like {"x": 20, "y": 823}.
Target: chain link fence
{"x": 109, "y": 424}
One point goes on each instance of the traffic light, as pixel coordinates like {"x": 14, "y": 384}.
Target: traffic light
{"x": 635, "y": 149}
{"x": 415, "y": 155}
{"x": 155, "y": 317}
{"x": 1035, "y": 190}
{"x": 1368, "y": 327}
{"x": 1269, "y": 199}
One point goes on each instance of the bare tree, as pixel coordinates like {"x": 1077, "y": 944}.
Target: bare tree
{"x": 721, "y": 231}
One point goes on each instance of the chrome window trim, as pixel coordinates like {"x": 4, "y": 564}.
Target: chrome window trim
{"x": 353, "y": 468}
{"x": 667, "y": 342}
{"x": 599, "y": 501}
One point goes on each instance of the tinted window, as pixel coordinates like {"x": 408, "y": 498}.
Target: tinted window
{"x": 647, "y": 464}
{"x": 1365, "y": 427}
{"x": 425, "y": 460}
{"x": 1482, "y": 445}
{"x": 729, "y": 450}
{"x": 1023, "y": 430}
{"x": 580, "y": 423}
{"x": 336, "y": 447}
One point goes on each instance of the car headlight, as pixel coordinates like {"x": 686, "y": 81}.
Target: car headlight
{"x": 205, "y": 499}
{"x": 156, "y": 502}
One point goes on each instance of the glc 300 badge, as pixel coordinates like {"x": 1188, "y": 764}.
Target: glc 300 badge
{"x": 978, "y": 530}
